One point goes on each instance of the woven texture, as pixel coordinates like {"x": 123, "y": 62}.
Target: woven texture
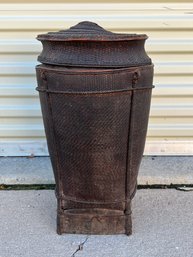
{"x": 107, "y": 54}
{"x": 92, "y": 149}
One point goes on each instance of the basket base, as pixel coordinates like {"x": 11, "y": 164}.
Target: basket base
{"x": 94, "y": 221}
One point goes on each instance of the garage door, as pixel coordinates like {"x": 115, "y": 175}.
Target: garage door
{"x": 170, "y": 45}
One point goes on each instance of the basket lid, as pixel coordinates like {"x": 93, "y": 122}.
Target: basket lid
{"x": 89, "y": 45}
{"x": 88, "y": 31}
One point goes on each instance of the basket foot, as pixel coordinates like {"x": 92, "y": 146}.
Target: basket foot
{"x": 93, "y": 222}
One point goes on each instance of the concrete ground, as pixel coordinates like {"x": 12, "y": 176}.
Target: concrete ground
{"x": 162, "y": 227}
{"x": 162, "y": 218}
{"x": 163, "y": 170}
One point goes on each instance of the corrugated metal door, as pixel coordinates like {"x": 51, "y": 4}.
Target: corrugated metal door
{"x": 169, "y": 26}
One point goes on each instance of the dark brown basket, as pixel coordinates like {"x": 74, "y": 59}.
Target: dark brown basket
{"x": 95, "y": 122}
